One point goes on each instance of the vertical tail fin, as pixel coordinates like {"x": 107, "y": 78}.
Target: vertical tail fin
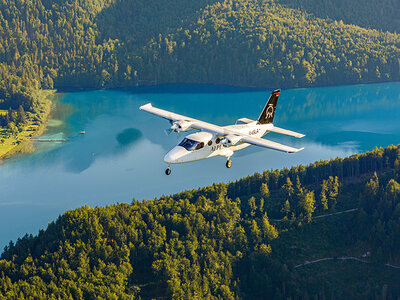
{"x": 267, "y": 115}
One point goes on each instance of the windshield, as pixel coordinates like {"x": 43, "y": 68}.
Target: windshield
{"x": 191, "y": 145}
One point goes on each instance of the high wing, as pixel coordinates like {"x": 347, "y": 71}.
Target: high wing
{"x": 200, "y": 125}
{"x": 195, "y": 124}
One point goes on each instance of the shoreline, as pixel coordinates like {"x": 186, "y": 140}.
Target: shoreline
{"x": 20, "y": 143}
{"x": 206, "y": 87}
{"x": 38, "y": 121}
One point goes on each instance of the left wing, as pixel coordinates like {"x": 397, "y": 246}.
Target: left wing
{"x": 200, "y": 125}
{"x": 286, "y": 132}
{"x": 269, "y": 144}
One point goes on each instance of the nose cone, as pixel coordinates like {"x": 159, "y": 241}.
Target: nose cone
{"x": 174, "y": 156}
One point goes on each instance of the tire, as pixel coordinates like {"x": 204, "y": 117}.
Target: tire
{"x": 168, "y": 171}
{"x": 228, "y": 163}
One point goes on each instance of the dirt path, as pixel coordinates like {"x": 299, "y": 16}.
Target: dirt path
{"x": 323, "y": 216}
{"x": 342, "y": 258}
{"x": 337, "y": 213}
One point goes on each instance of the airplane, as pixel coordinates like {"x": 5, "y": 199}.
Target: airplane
{"x": 213, "y": 140}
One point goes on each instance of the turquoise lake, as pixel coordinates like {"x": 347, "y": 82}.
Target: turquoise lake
{"x": 120, "y": 156}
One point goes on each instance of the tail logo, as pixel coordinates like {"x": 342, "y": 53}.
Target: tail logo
{"x": 270, "y": 111}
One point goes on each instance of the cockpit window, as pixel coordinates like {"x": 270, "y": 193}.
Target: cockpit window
{"x": 191, "y": 145}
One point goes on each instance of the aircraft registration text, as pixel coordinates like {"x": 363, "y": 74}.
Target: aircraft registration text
{"x": 217, "y": 147}
{"x": 253, "y": 132}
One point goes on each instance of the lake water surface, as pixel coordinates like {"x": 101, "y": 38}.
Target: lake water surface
{"x": 120, "y": 156}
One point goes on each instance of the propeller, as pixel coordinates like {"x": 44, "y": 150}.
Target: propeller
{"x": 178, "y": 127}
{"x": 168, "y": 131}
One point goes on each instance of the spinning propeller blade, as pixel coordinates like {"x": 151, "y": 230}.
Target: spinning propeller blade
{"x": 168, "y": 131}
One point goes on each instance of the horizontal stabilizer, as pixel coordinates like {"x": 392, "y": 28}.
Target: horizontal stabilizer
{"x": 286, "y": 132}
{"x": 269, "y": 144}
{"x": 246, "y": 120}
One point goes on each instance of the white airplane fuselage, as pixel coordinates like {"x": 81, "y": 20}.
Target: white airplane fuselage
{"x": 210, "y": 144}
{"x": 213, "y": 140}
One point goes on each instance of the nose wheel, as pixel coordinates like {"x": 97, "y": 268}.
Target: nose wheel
{"x": 228, "y": 163}
{"x": 168, "y": 171}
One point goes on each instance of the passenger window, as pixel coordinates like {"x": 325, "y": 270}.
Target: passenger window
{"x": 209, "y": 142}
{"x": 200, "y": 145}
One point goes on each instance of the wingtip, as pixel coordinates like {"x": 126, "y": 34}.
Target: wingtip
{"x": 296, "y": 150}
{"x": 145, "y": 106}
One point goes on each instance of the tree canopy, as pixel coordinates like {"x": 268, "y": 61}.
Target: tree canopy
{"x": 225, "y": 240}
{"x": 104, "y": 44}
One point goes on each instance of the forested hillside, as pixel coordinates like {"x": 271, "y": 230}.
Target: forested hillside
{"x": 373, "y": 14}
{"x": 246, "y": 239}
{"x": 110, "y": 43}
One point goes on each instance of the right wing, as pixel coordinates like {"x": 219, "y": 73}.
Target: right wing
{"x": 163, "y": 113}
{"x": 194, "y": 123}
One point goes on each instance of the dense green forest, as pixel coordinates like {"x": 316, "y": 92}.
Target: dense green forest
{"x": 245, "y": 239}
{"x": 117, "y": 43}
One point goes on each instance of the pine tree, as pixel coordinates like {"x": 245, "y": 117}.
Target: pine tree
{"x": 255, "y": 232}
{"x": 252, "y": 206}
{"x": 324, "y": 199}
{"x": 264, "y": 190}
{"x": 309, "y": 205}
{"x": 261, "y": 206}
{"x": 370, "y": 193}
{"x": 333, "y": 188}
{"x": 299, "y": 189}
{"x": 21, "y": 115}
{"x": 288, "y": 188}
{"x": 48, "y": 82}
{"x": 286, "y": 208}
{"x": 269, "y": 230}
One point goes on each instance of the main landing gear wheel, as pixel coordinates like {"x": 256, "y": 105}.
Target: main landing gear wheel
{"x": 228, "y": 163}
{"x": 168, "y": 171}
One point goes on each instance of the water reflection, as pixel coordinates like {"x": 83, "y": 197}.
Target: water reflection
{"x": 120, "y": 155}
{"x": 128, "y": 136}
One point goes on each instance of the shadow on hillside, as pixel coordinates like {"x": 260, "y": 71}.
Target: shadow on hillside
{"x": 140, "y": 20}
{"x": 373, "y": 14}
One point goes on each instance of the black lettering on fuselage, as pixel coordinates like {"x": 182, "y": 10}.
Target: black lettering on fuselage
{"x": 253, "y": 132}
{"x": 215, "y": 148}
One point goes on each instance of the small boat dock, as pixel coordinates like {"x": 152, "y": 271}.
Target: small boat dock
{"x": 47, "y": 140}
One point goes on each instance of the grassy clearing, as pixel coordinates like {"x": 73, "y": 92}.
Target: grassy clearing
{"x": 35, "y": 125}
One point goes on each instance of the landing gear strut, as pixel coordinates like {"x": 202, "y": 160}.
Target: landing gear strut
{"x": 228, "y": 163}
{"x": 168, "y": 171}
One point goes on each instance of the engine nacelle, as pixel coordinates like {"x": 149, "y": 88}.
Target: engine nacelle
{"x": 181, "y": 126}
{"x": 230, "y": 140}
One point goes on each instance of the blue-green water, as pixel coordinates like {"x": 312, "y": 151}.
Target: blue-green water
{"x": 121, "y": 154}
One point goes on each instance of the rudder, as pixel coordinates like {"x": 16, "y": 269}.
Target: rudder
{"x": 267, "y": 115}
